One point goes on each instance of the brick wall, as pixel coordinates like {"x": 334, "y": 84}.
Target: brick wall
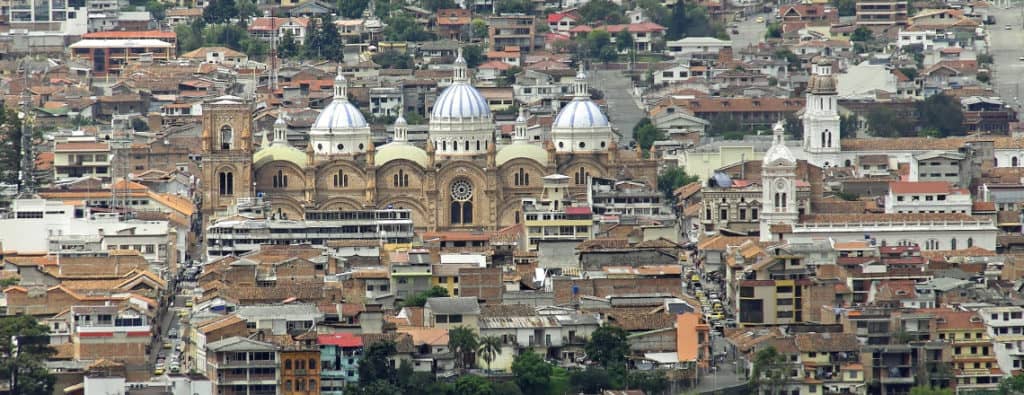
{"x": 484, "y": 283}
{"x": 602, "y": 287}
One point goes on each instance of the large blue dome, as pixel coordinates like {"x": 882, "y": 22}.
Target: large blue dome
{"x": 461, "y": 100}
{"x": 339, "y": 115}
{"x": 580, "y": 113}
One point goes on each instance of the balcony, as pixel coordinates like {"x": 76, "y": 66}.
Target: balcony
{"x": 234, "y": 379}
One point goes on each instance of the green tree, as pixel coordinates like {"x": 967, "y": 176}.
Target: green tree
{"x": 598, "y": 11}
{"x": 420, "y": 299}
{"x": 392, "y": 59}
{"x": 246, "y": 9}
{"x": 848, "y": 126}
{"x": 942, "y": 113}
{"x": 623, "y": 40}
{"x": 378, "y": 387}
{"x": 7, "y": 282}
{"x": 674, "y": 178}
{"x": 478, "y": 28}
{"x": 861, "y": 34}
{"x": 403, "y": 27}
{"x": 139, "y": 125}
{"x": 288, "y": 48}
{"x": 323, "y": 41}
{"x": 474, "y": 55}
{"x": 10, "y": 150}
{"x": 845, "y": 7}
{"x": 646, "y": 134}
{"x": 608, "y": 346}
{"x": 157, "y": 9}
{"x": 375, "y": 366}
{"x": 927, "y": 390}
{"x": 1013, "y": 385}
{"x": 463, "y": 342}
{"x": 190, "y": 36}
{"x": 794, "y": 126}
{"x": 489, "y": 349}
{"x": 507, "y": 388}
{"x": 591, "y": 380}
{"x": 532, "y": 372}
{"x": 651, "y": 382}
{"x": 513, "y": 6}
{"x": 473, "y": 385}
{"x": 435, "y": 5}
{"x": 678, "y": 23}
{"x": 351, "y": 8}
{"x": 774, "y": 31}
{"x": 770, "y": 371}
{"x": 219, "y": 11}
{"x": 792, "y": 61}
{"x": 25, "y": 365}
{"x": 885, "y": 122}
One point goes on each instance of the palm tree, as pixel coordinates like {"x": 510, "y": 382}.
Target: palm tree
{"x": 490, "y": 347}
{"x": 463, "y": 342}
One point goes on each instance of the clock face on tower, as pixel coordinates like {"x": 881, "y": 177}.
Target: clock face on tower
{"x": 780, "y": 185}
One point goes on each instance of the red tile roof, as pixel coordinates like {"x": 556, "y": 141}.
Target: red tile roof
{"x": 340, "y": 340}
{"x": 577, "y": 210}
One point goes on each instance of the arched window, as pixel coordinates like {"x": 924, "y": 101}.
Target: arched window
{"x": 970, "y": 242}
{"x": 227, "y": 181}
{"x": 405, "y": 180}
{"x": 517, "y": 217}
{"x": 521, "y": 177}
{"x": 823, "y": 139}
{"x": 829, "y": 138}
{"x": 952, "y": 244}
{"x": 280, "y": 180}
{"x": 848, "y": 163}
{"x": 227, "y": 137}
{"x": 456, "y": 213}
{"x": 395, "y": 181}
{"x": 287, "y": 385}
{"x": 581, "y": 176}
{"x": 995, "y": 162}
{"x": 785, "y": 201}
{"x": 1013, "y": 162}
{"x": 312, "y": 366}
{"x": 467, "y": 212}
{"x": 444, "y": 145}
{"x": 287, "y": 364}
{"x": 467, "y": 145}
{"x": 515, "y": 179}
{"x": 341, "y": 179}
{"x": 312, "y": 385}
{"x": 478, "y": 145}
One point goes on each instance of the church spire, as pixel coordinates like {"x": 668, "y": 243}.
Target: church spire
{"x": 401, "y": 128}
{"x": 461, "y": 74}
{"x": 580, "y": 85}
{"x": 520, "y": 128}
{"x": 340, "y": 86}
{"x": 280, "y": 130}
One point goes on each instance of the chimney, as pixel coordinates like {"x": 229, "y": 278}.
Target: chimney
{"x": 371, "y": 320}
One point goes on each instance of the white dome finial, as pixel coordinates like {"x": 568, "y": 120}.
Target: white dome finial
{"x": 461, "y": 74}
{"x": 401, "y": 130}
{"x": 581, "y": 88}
{"x": 340, "y": 86}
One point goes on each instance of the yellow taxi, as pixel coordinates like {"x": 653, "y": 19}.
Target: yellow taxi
{"x": 760, "y": 19}
{"x": 167, "y": 345}
{"x": 158, "y": 371}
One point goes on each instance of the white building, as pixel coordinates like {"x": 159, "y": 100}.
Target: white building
{"x": 1006, "y": 328}
{"x": 821, "y": 116}
{"x": 778, "y": 186}
{"x": 926, "y": 197}
{"x": 692, "y": 45}
{"x": 931, "y": 231}
{"x": 581, "y": 126}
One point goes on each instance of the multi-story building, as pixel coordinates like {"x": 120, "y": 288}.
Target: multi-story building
{"x": 235, "y": 236}
{"x": 974, "y": 361}
{"x": 120, "y": 333}
{"x": 451, "y": 312}
{"x": 386, "y": 101}
{"x": 627, "y": 199}
{"x": 882, "y": 13}
{"x": 83, "y": 156}
{"x": 242, "y": 366}
{"x": 927, "y": 197}
{"x": 50, "y": 15}
{"x": 554, "y": 217}
{"x": 1006, "y": 328}
{"x": 831, "y": 363}
{"x": 512, "y": 30}
{"x": 949, "y": 166}
{"x": 339, "y": 362}
{"x": 773, "y": 291}
{"x": 300, "y": 366}
{"x": 111, "y": 56}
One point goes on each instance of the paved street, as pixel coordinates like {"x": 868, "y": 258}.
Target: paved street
{"x": 623, "y": 110}
{"x": 750, "y": 31}
{"x": 1006, "y": 48}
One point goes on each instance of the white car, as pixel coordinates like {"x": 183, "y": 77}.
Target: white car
{"x": 1008, "y": 27}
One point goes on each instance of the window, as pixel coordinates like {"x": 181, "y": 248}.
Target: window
{"x": 280, "y": 180}
{"x": 746, "y": 292}
{"x": 226, "y": 137}
{"x": 723, "y": 214}
{"x": 312, "y": 364}
{"x": 226, "y": 184}
{"x": 400, "y": 180}
{"x": 341, "y": 179}
{"x": 288, "y": 364}
{"x": 743, "y": 213}
{"x": 753, "y": 213}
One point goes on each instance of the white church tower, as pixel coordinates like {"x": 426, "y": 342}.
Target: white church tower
{"x": 821, "y": 115}
{"x": 778, "y": 185}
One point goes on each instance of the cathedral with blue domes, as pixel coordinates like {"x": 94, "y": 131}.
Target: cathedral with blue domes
{"x": 461, "y": 180}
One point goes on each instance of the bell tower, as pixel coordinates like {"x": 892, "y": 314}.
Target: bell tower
{"x": 226, "y": 174}
{"x": 821, "y": 114}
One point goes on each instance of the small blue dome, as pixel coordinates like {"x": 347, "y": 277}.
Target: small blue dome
{"x": 461, "y": 100}
{"x": 721, "y": 180}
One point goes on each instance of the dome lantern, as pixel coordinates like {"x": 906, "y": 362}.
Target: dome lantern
{"x": 580, "y": 85}
{"x": 280, "y": 130}
{"x": 520, "y": 129}
{"x": 460, "y": 69}
{"x": 401, "y": 128}
{"x": 340, "y": 86}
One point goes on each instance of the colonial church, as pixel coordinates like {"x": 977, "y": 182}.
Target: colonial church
{"x": 461, "y": 180}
